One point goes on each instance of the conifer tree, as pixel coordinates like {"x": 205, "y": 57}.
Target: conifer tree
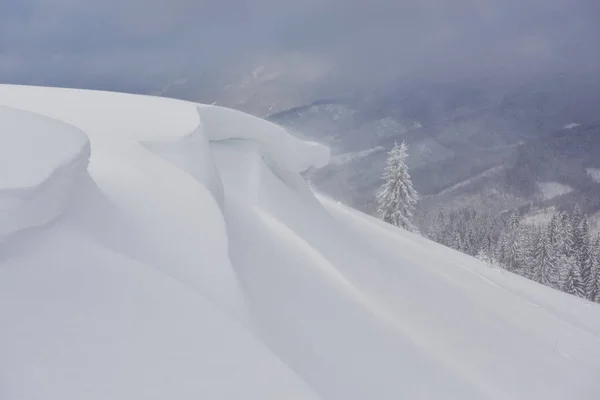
{"x": 485, "y": 257}
{"x": 583, "y": 254}
{"x": 436, "y": 233}
{"x": 458, "y": 243}
{"x": 531, "y": 242}
{"x": 470, "y": 243}
{"x": 500, "y": 251}
{"x": 544, "y": 267}
{"x": 573, "y": 284}
{"x": 555, "y": 249}
{"x": 564, "y": 247}
{"x": 593, "y": 288}
{"x": 514, "y": 251}
{"x": 488, "y": 245}
{"x": 577, "y": 216}
{"x": 486, "y": 250}
{"x": 397, "y": 197}
{"x": 564, "y": 234}
{"x": 552, "y": 230}
{"x": 559, "y": 255}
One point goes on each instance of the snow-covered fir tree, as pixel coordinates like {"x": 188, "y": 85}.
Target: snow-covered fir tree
{"x": 437, "y": 231}
{"x": 564, "y": 245}
{"x": 513, "y": 244}
{"x": 553, "y": 230}
{"x": 576, "y": 217}
{"x": 397, "y": 197}
{"x": 544, "y": 262}
{"x": 583, "y": 254}
{"x": 485, "y": 257}
{"x": 487, "y": 246}
{"x": 593, "y": 287}
{"x": 572, "y": 283}
{"x": 531, "y": 242}
{"x": 555, "y": 247}
{"x": 470, "y": 243}
{"x": 564, "y": 233}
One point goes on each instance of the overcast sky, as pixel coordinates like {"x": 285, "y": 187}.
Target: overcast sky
{"x": 85, "y": 40}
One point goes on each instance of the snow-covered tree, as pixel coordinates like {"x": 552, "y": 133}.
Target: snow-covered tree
{"x": 593, "y": 287}
{"x": 564, "y": 247}
{"x": 573, "y": 284}
{"x": 583, "y": 255}
{"x": 564, "y": 236}
{"x": 439, "y": 230}
{"x": 555, "y": 248}
{"x": 397, "y": 197}
{"x": 458, "y": 243}
{"x": 470, "y": 245}
{"x": 513, "y": 244}
{"x": 559, "y": 255}
{"x": 531, "y": 243}
{"x": 487, "y": 246}
{"x": 544, "y": 267}
{"x": 485, "y": 257}
{"x": 577, "y": 216}
{"x": 553, "y": 230}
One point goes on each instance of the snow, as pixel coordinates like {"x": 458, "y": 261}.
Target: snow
{"x": 347, "y": 158}
{"x": 33, "y": 194}
{"x": 571, "y": 125}
{"x": 51, "y": 143}
{"x": 286, "y": 151}
{"x": 594, "y": 173}
{"x": 550, "y": 190}
{"x": 191, "y": 260}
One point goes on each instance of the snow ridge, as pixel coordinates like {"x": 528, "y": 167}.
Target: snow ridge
{"x": 38, "y": 179}
{"x": 276, "y": 144}
{"x": 192, "y": 154}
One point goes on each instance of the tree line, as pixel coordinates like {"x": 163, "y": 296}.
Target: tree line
{"x": 561, "y": 254}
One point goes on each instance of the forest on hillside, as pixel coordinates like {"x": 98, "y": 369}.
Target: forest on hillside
{"x": 561, "y": 254}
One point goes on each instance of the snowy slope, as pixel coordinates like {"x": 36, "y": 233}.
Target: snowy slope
{"x": 188, "y": 259}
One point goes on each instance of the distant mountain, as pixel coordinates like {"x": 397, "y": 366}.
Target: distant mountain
{"x": 267, "y": 86}
{"x": 492, "y": 143}
{"x": 495, "y": 143}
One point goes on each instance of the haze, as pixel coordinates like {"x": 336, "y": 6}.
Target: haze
{"x": 113, "y": 43}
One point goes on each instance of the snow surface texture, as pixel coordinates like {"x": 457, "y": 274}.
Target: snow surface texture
{"x": 41, "y": 162}
{"x": 190, "y": 260}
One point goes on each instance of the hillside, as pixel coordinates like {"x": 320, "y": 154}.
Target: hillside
{"x": 153, "y": 248}
{"x": 468, "y": 140}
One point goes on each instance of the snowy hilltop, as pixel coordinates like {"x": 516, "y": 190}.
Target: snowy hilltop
{"x": 153, "y": 248}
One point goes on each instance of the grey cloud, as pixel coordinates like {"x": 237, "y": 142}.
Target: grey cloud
{"x": 368, "y": 40}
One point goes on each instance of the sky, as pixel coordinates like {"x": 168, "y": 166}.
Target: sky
{"x": 82, "y": 42}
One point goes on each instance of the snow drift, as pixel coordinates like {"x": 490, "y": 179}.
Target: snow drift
{"x": 41, "y": 161}
{"x": 188, "y": 259}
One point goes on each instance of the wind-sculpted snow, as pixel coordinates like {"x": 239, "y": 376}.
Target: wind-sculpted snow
{"x": 146, "y": 198}
{"x": 41, "y": 163}
{"x": 287, "y": 152}
{"x": 191, "y": 153}
{"x": 193, "y": 261}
